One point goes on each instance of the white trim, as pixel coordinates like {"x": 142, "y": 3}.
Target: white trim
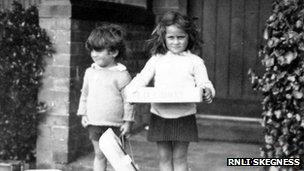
{"x": 229, "y": 118}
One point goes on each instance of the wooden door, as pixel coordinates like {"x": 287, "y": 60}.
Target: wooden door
{"x": 232, "y": 34}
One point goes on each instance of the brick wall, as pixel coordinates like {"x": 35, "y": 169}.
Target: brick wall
{"x": 162, "y": 6}
{"x": 140, "y": 3}
{"x": 52, "y": 143}
{"x": 6, "y": 4}
{"x": 80, "y": 60}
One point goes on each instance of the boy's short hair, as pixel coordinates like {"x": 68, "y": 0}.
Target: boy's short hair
{"x": 110, "y": 37}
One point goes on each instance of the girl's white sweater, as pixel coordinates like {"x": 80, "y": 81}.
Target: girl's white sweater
{"x": 172, "y": 70}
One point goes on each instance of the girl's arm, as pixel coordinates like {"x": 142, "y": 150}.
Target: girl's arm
{"x": 82, "y": 108}
{"x": 145, "y": 76}
{"x": 201, "y": 77}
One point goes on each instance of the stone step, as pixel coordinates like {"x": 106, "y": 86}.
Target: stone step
{"x": 230, "y": 129}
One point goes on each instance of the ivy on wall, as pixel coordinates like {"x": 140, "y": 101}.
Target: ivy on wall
{"x": 282, "y": 83}
{"x": 23, "y": 47}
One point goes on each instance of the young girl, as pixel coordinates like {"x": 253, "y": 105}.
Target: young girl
{"x": 173, "y": 125}
{"x": 102, "y": 103}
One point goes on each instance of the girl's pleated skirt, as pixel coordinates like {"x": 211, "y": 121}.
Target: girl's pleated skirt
{"x": 179, "y": 129}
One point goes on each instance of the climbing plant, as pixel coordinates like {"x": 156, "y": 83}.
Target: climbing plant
{"x": 282, "y": 83}
{"x": 23, "y": 47}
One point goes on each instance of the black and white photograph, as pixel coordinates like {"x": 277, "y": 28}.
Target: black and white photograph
{"x": 152, "y": 85}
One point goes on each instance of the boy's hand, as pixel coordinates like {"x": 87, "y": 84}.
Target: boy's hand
{"x": 84, "y": 121}
{"x": 207, "y": 96}
{"x": 126, "y": 128}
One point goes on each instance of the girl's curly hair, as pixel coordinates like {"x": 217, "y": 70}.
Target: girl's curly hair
{"x": 110, "y": 37}
{"x": 157, "y": 45}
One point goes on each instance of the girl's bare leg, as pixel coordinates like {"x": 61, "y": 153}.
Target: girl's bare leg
{"x": 165, "y": 155}
{"x": 180, "y": 152}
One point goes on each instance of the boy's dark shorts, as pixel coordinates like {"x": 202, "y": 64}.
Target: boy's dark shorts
{"x": 95, "y": 132}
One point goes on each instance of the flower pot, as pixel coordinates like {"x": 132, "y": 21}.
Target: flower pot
{"x": 11, "y": 165}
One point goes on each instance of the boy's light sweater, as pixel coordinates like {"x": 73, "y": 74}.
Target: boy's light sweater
{"x": 171, "y": 70}
{"x": 102, "y": 96}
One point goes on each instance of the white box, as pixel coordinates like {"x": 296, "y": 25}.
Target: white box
{"x": 162, "y": 95}
{"x": 111, "y": 147}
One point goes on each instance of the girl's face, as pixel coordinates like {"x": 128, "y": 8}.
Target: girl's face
{"x": 176, "y": 39}
{"x": 104, "y": 58}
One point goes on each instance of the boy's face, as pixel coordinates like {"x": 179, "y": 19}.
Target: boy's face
{"x": 176, "y": 39}
{"x": 104, "y": 58}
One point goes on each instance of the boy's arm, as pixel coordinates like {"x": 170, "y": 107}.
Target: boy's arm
{"x": 128, "y": 112}
{"x": 128, "y": 108}
{"x": 128, "y": 115}
{"x": 201, "y": 77}
{"x": 82, "y": 108}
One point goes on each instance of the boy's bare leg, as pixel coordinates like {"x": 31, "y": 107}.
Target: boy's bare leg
{"x": 100, "y": 161}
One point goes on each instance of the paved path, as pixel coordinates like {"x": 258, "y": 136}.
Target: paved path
{"x": 203, "y": 156}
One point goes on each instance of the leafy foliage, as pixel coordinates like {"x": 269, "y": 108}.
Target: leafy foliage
{"x": 23, "y": 46}
{"x": 282, "y": 83}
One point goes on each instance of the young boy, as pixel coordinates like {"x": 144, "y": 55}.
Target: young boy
{"x": 102, "y": 103}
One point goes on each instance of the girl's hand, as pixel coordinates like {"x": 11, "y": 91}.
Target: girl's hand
{"x": 84, "y": 121}
{"x": 126, "y": 128}
{"x": 207, "y": 96}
